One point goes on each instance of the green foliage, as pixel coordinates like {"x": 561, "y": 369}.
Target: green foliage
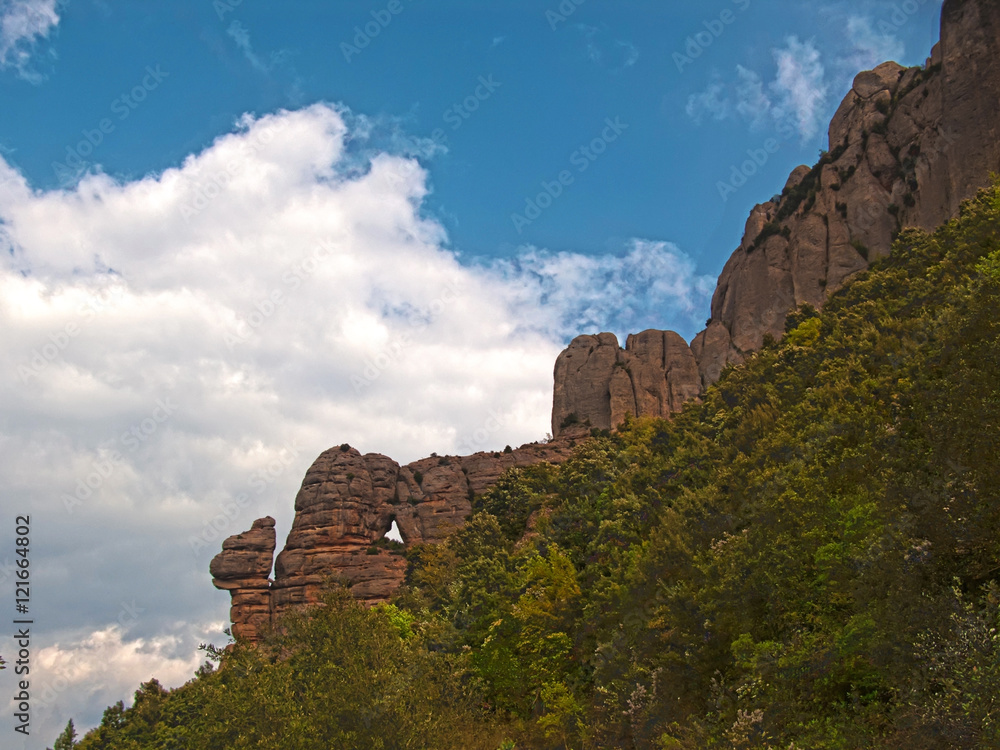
{"x": 771, "y": 229}
{"x": 807, "y": 558}
{"x": 571, "y": 419}
{"x": 341, "y": 676}
{"x": 67, "y": 738}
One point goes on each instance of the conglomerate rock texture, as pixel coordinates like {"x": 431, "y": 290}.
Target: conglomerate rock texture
{"x": 907, "y": 146}
{"x": 243, "y": 568}
{"x": 599, "y": 382}
{"x": 343, "y": 510}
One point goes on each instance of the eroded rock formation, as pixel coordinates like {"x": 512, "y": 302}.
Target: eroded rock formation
{"x": 598, "y": 382}
{"x": 243, "y": 568}
{"x": 343, "y": 510}
{"x": 907, "y": 146}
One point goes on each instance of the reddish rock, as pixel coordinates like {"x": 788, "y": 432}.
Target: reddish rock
{"x": 243, "y": 568}
{"x": 597, "y": 382}
{"x": 907, "y": 147}
{"x": 346, "y": 505}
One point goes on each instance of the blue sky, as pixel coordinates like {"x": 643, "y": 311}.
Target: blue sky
{"x": 236, "y": 233}
{"x": 557, "y": 86}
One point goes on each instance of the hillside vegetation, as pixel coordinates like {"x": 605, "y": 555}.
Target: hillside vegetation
{"x": 807, "y": 559}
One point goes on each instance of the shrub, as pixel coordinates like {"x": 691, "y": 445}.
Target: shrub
{"x": 571, "y": 419}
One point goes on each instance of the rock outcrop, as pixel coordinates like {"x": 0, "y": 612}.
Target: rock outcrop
{"x": 243, "y": 568}
{"x": 907, "y": 146}
{"x": 598, "y": 382}
{"x": 345, "y": 507}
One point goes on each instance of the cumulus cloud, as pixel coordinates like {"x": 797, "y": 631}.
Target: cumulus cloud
{"x": 23, "y": 23}
{"x": 649, "y": 282}
{"x": 80, "y": 676}
{"x": 179, "y": 348}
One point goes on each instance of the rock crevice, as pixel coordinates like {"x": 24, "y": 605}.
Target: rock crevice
{"x": 907, "y": 146}
{"x": 343, "y": 510}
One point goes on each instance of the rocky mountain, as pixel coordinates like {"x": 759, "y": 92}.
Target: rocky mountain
{"x": 345, "y": 507}
{"x": 599, "y": 382}
{"x": 908, "y": 145}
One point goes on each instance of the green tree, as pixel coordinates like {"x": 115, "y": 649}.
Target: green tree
{"x": 67, "y": 739}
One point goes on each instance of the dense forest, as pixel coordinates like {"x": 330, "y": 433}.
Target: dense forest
{"x": 808, "y": 558}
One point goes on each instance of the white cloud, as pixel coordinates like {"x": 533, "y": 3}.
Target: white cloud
{"x": 175, "y": 343}
{"x": 752, "y": 103}
{"x": 796, "y": 97}
{"x": 570, "y": 293}
{"x": 800, "y": 87}
{"x": 23, "y": 23}
{"x": 713, "y": 102}
{"x": 869, "y": 47}
{"x": 76, "y": 678}
{"x": 241, "y": 35}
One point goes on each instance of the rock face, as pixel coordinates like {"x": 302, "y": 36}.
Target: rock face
{"x": 907, "y": 146}
{"x": 599, "y": 382}
{"x": 243, "y": 568}
{"x": 346, "y": 505}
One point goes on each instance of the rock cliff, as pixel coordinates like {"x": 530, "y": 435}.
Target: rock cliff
{"x": 345, "y": 507}
{"x": 599, "y": 382}
{"x": 907, "y": 146}
{"x": 243, "y": 568}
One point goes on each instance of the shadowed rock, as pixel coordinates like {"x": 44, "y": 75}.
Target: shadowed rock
{"x": 907, "y": 146}
{"x": 345, "y": 506}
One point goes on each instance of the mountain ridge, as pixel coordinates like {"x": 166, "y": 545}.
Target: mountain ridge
{"x": 912, "y": 144}
{"x": 907, "y": 146}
